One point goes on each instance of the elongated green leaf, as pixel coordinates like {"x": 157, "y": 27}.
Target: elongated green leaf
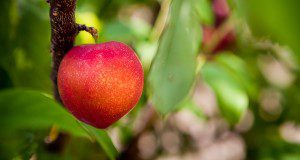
{"x": 103, "y": 139}
{"x": 231, "y": 96}
{"x": 173, "y": 70}
{"x": 23, "y": 109}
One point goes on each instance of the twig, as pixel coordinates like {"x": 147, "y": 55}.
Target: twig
{"x": 64, "y": 29}
{"x": 91, "y": 30}
{"x": 161, "y": 20}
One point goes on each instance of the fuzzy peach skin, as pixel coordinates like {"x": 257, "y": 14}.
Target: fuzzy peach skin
{"x": 100, "y": 83}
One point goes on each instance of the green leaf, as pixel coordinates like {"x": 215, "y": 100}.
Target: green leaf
{"x": 103, "y": 139}
{"x": 146, "y": 51}
{"x": 231, "y": 96}
{"x": 205, "y": 12}
{"x": 237, "y": 68}
{"x": 118, "y": 31}
{"x": 24, "y": 109}
{"x": 29, "y": 46}
{"x": 126, "y": 31}
{"x": 277, "y": 19}
{"x": 190, "y": 105}
{"x": 31, "y": 110}
{"x": 173, "y": 70}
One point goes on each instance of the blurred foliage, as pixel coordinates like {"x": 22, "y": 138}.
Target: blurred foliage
{"x": 257, "y": 73}
{"x": 278, "y": 20}
{"x": 227, "y": 86}
{"x": 23, "y": 110}
{"x": 205, "y": 12}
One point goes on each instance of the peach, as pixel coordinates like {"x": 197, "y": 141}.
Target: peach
{"x": 100, "y": 83}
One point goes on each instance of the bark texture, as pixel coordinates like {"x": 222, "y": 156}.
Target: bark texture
{"x": 63, "y": 33}
{"x": 64, "y": 29}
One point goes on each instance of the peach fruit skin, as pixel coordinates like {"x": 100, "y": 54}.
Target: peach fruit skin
{"x": 100, "y": 83}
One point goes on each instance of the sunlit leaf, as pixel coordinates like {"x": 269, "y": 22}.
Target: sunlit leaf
{"x": 231, "y": 96}
{"x": 146, "y": 51}
{"x": 237, "y": 68}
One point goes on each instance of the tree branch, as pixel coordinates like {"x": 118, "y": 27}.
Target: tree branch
{"x": 64, "y": 29}
{"x": 63, "y": 33}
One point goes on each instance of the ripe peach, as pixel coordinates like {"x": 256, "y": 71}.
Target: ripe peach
{"x": 100, "y": 83}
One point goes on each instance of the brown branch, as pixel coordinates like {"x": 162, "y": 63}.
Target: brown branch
{"x": 63, "y": 32}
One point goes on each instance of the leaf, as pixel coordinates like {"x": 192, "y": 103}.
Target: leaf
{"x": 190, "y": 105}
{"x": 146, "y": 51}
{"x": 142, "y": 31}
{"x": 103, "y": 139}
{"x": 118, "y": 31}
{"x": 278, "y": 20}
{"x": 237, "y": 68}
{"x": 29, "y": 46}
{"x": 231, "y": 96}
{"x": 205, "y": 12}
{"x": 173, "y": 70}
{"x": 24, "y": 109}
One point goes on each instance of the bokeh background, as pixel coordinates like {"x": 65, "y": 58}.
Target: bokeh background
{"x": 221, "y": 81}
